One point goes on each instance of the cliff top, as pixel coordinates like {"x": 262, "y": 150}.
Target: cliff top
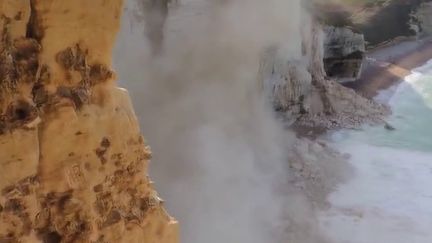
{"x": 379, "y": 20}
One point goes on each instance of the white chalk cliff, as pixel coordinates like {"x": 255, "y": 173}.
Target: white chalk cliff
{"x": 344, "y": 51}
{"x": 301, "y": 91}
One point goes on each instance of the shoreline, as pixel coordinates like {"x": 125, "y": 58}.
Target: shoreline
{"x": 375, "y": 173}
{"x": 384, "y": 66}
{"x": 389, "y": 64}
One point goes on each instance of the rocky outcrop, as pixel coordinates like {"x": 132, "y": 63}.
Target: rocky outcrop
{"x": 422, "y": 19}
{"x": 301, "y": 92}
{"x": 344, "y": 51}
{"x": 74, "y": 163}
{"x": 379, "y": 21}
{"x": 287, "y": 83}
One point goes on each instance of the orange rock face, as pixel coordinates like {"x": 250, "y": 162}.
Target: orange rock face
{"x": 73, "y": 163}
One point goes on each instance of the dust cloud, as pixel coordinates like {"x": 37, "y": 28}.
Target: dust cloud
{"x": 220, "y": 156}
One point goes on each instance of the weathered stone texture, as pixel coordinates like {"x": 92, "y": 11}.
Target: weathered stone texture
{"x": 73, "y": 163}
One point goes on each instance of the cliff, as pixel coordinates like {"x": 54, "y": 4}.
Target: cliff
{"x": 353, "y": 27}
{"x": 379, "y": 21}
{"x": 344, "y": 51}
{"x": 72, "y": 158}
{"x": 423, "y": 19}
{"x": 303, "y": 94}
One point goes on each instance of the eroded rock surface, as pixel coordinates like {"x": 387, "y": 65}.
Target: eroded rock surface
{"x": 72, "y": 158}
{"x": 287, "y": 82}
{"x": 344, "y": 51}
{"x": 303, "y": 94}
{"x": 422, "y": 19}
{"x": 380, "y": 21}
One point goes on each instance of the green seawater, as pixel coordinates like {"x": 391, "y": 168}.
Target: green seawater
{"x": 411, "y": 103}
{"x": 391, "y": 186}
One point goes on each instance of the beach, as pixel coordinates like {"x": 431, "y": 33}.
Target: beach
{"x": 388, "y": 198}
{"x": 387, "y": 65}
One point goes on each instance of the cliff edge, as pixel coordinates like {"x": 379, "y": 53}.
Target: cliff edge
{"x": 304, "y": 95}
{"x": 72, "y": 158}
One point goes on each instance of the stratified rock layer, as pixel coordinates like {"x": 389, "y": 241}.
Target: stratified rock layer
{"x": 72, "y": 158}
{"x": 287, "y": 82}
{"x": 301, "y": 92}
{"x": 344, "y": 51}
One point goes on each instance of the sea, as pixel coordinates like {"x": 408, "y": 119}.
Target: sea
{"x": 389, "y": 197}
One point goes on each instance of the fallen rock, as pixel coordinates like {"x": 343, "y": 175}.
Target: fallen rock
{"x": 389, "y": 127}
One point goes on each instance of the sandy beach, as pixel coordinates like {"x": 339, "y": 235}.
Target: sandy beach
{"x": 387, "y": 65}
{"x": 388, "y": 197}
{"x": 383, "y": 67}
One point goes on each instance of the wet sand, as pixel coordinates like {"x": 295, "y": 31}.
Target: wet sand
{"x": 384, "y": 67}
{"x": 387, "y": 65}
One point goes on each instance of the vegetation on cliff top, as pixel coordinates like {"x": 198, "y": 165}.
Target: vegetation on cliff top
{"x": 379, "y": 20}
